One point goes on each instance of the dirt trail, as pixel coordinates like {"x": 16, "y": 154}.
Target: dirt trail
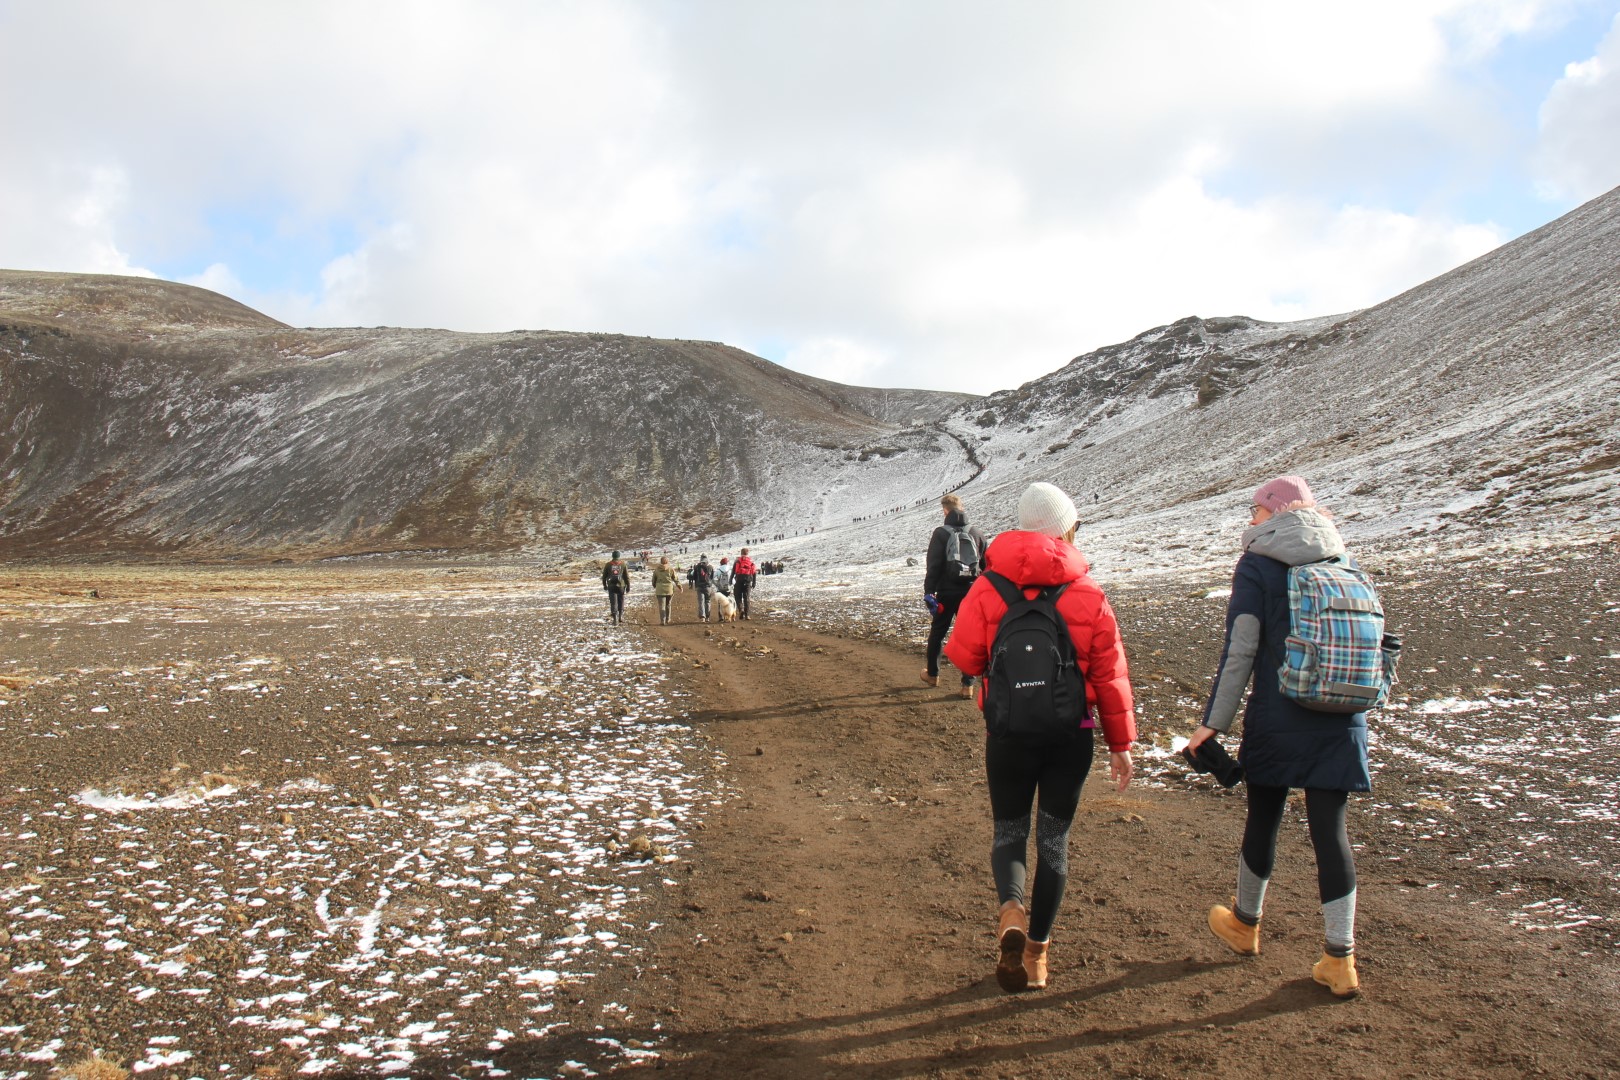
{"x": 838, "y": 921}
{"x": 835, "y": 917}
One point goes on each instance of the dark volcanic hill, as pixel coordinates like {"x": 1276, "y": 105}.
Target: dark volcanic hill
{"x": 142, "y": 416}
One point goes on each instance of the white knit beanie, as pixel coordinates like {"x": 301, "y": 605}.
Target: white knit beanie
{"x": 1044, "y": 509}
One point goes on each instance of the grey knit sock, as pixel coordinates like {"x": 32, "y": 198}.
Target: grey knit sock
{"x": 1251, "y": 893}
{"x": 1339, "y": 925}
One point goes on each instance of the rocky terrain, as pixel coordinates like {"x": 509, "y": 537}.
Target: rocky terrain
{"x": 436, "y": 820}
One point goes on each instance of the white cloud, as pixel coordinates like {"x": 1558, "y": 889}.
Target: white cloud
{"x": 1579, "y": 152}
{"x": 217, "y": 278}
{"x": 907, "y": 194}
{"x": 66, "y": 219}
{"x": 839, "y": 360}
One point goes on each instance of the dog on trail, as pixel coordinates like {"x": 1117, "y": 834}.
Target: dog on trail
{"x": 722, "y": 607}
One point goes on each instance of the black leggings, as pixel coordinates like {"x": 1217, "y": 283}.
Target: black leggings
{"x": 1017, "y": 772}
{"x": 1324, "y": 812}
{"x": 740, "y": 591}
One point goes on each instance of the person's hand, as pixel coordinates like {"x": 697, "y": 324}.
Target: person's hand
{"x": 1120, "y": 768}
{"x": 1200, "y": 737}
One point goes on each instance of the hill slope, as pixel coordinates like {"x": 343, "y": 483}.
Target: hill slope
{"x": 1482, "y": 405}
{"x": 144, "y": 416}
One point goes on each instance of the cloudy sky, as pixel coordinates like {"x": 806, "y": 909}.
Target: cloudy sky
{"x": 948, "y": 194}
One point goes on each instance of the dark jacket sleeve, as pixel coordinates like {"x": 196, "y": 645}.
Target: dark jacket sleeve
{"x": 936, "y": 560}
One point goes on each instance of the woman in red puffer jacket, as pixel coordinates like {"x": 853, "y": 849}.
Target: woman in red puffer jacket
{"x": 1038, "y": 554}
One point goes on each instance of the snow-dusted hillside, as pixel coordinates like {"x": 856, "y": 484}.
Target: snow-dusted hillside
{"x": 1479, "y": 409}
{"x": 143, "y": 416}
{"x": 1481, "y": 406}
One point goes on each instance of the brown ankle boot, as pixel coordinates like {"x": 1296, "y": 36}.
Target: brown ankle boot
{"x": 1035, "y": 964}
{"x": 1243, "y": 938}
{"x": 1011, "y": 934}
{"x": 1338, "y": 974}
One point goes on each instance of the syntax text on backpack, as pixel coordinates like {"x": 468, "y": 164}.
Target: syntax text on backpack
{"x": 1337, "y": 657}
{"x": 1033, "y": 688}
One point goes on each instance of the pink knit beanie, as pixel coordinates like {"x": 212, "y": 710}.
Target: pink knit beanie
{"x": 1278, "y": 493}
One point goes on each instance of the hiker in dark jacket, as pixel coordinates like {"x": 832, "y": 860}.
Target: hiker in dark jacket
{"x": 1286, "y": 745}
{"x": 616, "y": 580}
{"x": 702, "y": 578}
{"x": 945, "y": 586}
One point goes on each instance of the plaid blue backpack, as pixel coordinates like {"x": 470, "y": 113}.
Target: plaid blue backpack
{"x": 1336, "y": 658}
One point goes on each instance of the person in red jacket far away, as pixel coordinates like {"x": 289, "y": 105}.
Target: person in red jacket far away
{"x": 744, "y": 573}
{"x": 1020, "y": 767}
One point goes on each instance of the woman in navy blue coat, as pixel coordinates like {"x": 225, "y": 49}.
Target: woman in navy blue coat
{"x": 1285, "y": 745}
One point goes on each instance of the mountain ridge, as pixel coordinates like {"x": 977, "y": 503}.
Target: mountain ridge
{"x": 134, "y": 429}
{"x": 171, "y": 421}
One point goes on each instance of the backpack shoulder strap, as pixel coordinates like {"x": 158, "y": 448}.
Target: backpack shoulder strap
{"x": 1010, "y": 594}
{"x": 1014, "y": 594}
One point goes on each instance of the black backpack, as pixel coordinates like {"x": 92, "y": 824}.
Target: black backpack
{"x": 961, "y": 557}
{"x": 1034, "y": 689}
{"x": 702, "y": 574}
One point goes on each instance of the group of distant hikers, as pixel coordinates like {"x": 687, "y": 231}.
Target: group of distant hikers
{"x": 1029, "y": 627}
{"x": 1304, "y": 636}
{"x": 734, "y": 581}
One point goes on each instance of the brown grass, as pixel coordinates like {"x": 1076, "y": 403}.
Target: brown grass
{"x": 94, "y": 1067}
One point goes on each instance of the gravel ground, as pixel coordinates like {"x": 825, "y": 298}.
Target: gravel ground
{"x": 440, "y": 820}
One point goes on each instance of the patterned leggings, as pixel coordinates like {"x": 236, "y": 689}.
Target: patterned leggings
{"x": 1017, "y": 772}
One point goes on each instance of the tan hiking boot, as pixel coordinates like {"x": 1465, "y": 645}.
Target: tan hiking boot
{"x": 1035, "y": 964}
{"x": 1011, "y": 934}
{"x": 931, "y": 680}
{"x": 1338, "y": 974}
{"x": 966, "y": 691}
{"x": 1243, "y": 938}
